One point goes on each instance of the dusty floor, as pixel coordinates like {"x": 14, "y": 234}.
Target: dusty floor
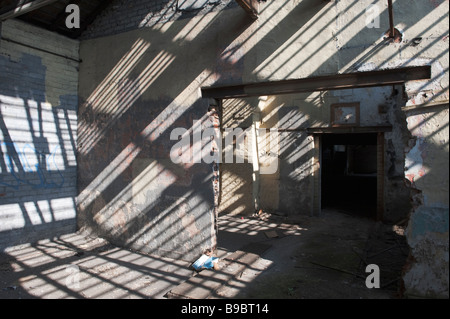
{"x": 73, "y": 266}
{"x": 319, "y": 258}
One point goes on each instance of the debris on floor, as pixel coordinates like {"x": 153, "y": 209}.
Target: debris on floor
{"x": 271, "y": 234}
{"x": 262, "y": 215}
{"x": 210, "y": 284}
{"x": 387, "y": 248}
{"x": 206, "y": 261}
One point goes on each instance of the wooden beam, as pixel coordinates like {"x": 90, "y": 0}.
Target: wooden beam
{"x": 425, "y": 105}
{"x": 40, "y": 49}
{"x": 348, "y": 130}
{"x": 321, "y": 83}
{"x": 250, "y": 6}
{"x": 25, "y": 8}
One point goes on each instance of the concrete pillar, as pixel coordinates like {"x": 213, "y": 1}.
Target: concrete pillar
{"x": 317, "y": 206}
{"x": 255, "y": 156}
{"x": 214, "y": 112}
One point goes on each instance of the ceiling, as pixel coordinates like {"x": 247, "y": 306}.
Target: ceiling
{"x": 51, "y": 14}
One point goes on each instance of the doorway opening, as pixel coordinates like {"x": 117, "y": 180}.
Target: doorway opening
{"x": 349, "y": 173}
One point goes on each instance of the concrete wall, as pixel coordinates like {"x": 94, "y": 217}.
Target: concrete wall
{"x": 38, "y": 134}
{"x": 136, "y": 87}
{"x": 236, "y": 193}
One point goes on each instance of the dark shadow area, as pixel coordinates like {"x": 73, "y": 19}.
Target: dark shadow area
{"x": 349, "y": 173}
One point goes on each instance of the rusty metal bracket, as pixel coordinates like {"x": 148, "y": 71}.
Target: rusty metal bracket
{"x": 393, "y": 34}
{"x": 250, "y": 6}
{"x": 391, "y": 19}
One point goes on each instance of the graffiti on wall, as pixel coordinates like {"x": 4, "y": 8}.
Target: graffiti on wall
{"x": 27, "y": 166}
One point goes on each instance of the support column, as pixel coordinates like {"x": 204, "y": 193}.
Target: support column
{"x": 255, "y": 155}
{"x": 380, "y": 176}
{"x": 214, "y": 113}
{"x": 317, "y": 205}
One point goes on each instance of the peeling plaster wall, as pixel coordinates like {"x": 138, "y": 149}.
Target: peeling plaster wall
{"x": 427, "y": 170}
{"x": 335, "y": 39}
{"x": 137, "y": 86}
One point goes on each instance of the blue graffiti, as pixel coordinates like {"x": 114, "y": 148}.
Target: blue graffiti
{"x": 26, "y": 175}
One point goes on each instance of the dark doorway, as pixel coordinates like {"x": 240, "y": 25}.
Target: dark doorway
{"x": 349, "y": 173}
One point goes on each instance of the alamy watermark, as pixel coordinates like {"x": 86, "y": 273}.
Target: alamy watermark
{"x": 73, "y": 278}
{"x": 373, "y": 17}
{"x": 207, "y": 145}
{"x": 373, "y": 280}
{"x": 73, "y": 19}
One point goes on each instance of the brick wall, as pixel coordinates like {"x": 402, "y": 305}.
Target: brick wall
{"x": 38, "y": 133}
{"x": 122, "y": 15}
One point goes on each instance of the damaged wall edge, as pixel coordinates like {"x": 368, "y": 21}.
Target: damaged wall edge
{"x": 426, "y": 273}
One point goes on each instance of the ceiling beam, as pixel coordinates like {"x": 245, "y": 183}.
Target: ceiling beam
{"x": 25, "y": 8}
{"x": 346, "y": 130}
{"x": 321, "y": 83}
{"x": 250, "y": 6}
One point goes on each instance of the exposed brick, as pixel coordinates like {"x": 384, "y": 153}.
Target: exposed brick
{"x": 38, "y": 123}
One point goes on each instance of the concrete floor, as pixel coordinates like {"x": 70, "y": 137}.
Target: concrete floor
{"x": 74, "y": 266}
{"x": 308, "y": 258}
{"x": 316, "y": 258}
